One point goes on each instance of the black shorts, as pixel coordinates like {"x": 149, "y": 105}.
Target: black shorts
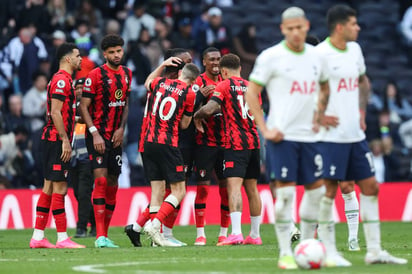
{"x": 111, "y": 159}
{"x": 206, "y": 159}
{"x": 54, "y": 169}
{"x": 188, "y": 154}
{"x": 163, "y": 162}
{"x": 242, "y": 163}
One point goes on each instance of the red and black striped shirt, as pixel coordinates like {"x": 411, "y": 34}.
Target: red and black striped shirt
{"x": 61, "y": 88}
{"x": 214, "y": 134}
{"x": 169, "y": 99}
{"x": 109, "y": 90}
{"x": 240, "y": 125}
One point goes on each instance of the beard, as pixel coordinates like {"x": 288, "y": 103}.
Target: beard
{"x": 115, "y": 63}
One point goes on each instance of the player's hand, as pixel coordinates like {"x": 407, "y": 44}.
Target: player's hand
{"x": 98, "y": 143}
{"x": 66, "y": 151}
{"x": 328, "y": 121}
{"x": 273, "y": 135}
{"x": 207, "y": 90}
{"x": 199, "y": 125}
{"x": 117, "y": 139}
{"x": 172, "y": 61}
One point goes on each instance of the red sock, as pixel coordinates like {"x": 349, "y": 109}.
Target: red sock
{"x": 99, "y": 204}
{"x": 165, "y": 210}
{"x": 169, "y": 221}
{"x": 42, "y": 211}
{"x": 224, "y": 207}
{"x": 202, "y": 192}
{"x": 59, "y": 213}
{"x": 110, "y": 205}
{"x": 144, "y": 217}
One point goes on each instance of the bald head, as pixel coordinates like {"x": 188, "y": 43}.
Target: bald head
{"x": 292, "y": 13}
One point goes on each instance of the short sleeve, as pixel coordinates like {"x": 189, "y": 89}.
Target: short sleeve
{"x": 154, "y": 83}
{"x": 261, "y": 70}
{"x": 60, "y": 89}
{"x": 190, "y": 103}
{"x": 89, "y": 88}
{"x": 219, "y": 92}
{"x": 361, "y": 62}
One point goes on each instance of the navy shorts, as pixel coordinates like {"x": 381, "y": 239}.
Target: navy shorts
{"x": 295, "y": 161}
{"x": 347, "y": 162}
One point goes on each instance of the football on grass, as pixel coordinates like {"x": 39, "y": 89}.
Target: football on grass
{"x": 310, "y": 254}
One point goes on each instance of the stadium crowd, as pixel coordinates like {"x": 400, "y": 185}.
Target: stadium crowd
{"x": 31, "y": 31}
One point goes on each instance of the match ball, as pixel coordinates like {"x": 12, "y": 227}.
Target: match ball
{"x": 310, "y": 254}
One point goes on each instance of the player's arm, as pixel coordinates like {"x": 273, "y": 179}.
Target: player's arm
{"x": 185, "y": 121}
{"x": 117, "y": 139}
{"x": 98, "y": 141}
{"x": 364, "y": 89}
{"x": 56, "y": 115}
{"x": 204, "y": 112}
{"x": 320, "y": 119}
{"x": 172, "y": 61}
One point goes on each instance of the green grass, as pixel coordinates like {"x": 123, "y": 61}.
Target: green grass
{"x": 16, "y": 257}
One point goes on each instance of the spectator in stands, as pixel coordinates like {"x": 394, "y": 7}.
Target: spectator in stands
{"x": 244, "y": 44}
{"x": 400, "y": 109}
{"x": 2, "y": 124}
{"x": 10, "y": 150}
{"x": 216, "y": 33}
{"x": 35, "y": 12}
{"x": 182, "y": 38}
{"x": 87, "y": 12}
{"x": 58, "y": 14}
{"x": 8, "y": 13}
{"x": 150, "y": 47}
{"x": 15, "y": 118}
{"x": 84, "y": 39}
{"x": 113, "y": 9}
{"x": 35, "y": 101}
{"x": 21, "y": 59}
{"x": 406, "y": 27}
{"x": 163, "y": 31}
{"x": 58, "y": 38}
{"x": 136, "y": 21}
{"x": 112, "y": 27}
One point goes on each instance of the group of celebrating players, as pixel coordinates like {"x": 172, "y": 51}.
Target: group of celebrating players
{"x": 208, "y": 123}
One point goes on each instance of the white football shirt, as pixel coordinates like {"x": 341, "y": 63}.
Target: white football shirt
{"x": 292, "y": 83}
{"x": 345, "y": 67}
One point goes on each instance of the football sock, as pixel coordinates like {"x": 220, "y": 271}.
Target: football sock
{"x": 255, "y": 226}
{"x": 202, "y": 192}
{"x": 371, "y": 226}
{"x": 236, "y": 218}
{"x": 169, "y": 221}
{"x": 110, "y": 205}
{"x": 167, "y": 207}
{"x": 153, "y": 211}
{"x": 59, "y": 214}
{"x": 42, "y": 215}
{"x": 141, "y": 221}
{"x": 326, "y": 230}
{"x": 308, "y": 212}
{"x": 200, "y": 232}
{"x": 99, "y": 205}
{"x": 222, "y": 231}
{"x": 352, "y": 214}
{"x": 283, "y": 216}
{"x": 224, "y": 208}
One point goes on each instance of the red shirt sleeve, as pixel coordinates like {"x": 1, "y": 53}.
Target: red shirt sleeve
{"x": 190, "y": 103}
{"x": 60, "y": 88}
{"x": 89, "y": 88}
{"x": 220, "y": 92}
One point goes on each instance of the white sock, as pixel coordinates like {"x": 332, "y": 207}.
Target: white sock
{"x": 326, "y": 230}
{"x": 352, "y": 214}
{"x": 223, "y": 231}
{"x": 371, "y": 225}
{"x": 167, "y": 232}
{"x": 61, "y": 236}
{"x": 137, "y": 227}
{"x": 200, "y": 232}
{"x": 38, "y": 234}
{"x": 283, "y": 211}
{"x": 255, "y": 226}
{"x": 309, "y": 212}
{"x": 236, "y": 219}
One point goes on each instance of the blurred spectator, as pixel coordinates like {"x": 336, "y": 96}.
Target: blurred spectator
{"x": 35, "y": 12}
{"x": 59, "y": 17}
{"x": 244, "y": 45}
{"x": 87, "y": 12}
{"x": 15, "y": 118}
{"x": 136, "y": 21}
{"x": 183, "y": 37}
{"x": 399, "y": 107}
{"x": 385, "y": 163}
{"x": 112, "y": 27}
{"x": 2, "y": 123}
{"x": 8, "y": 11}
{"x": 150, "y": 47}
{"x": 216, "y": 34}
{"x": 114, "y": 9}
{"x": 21, "y": 58}
{"x": 405, "y": 133}
{"x": 58, "y": 38}
{"x": 406, "y": 26}
{"x": 200, "y": 22}
{"x": 87, "y": 65}
{"x": 84, "y": 40}
{"x": 35, "y": 102}
{"x": 11, "y": 150}
{"x": 163, "y": 33}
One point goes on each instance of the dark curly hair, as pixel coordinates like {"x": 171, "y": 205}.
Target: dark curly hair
{"x": 111, "y": 40}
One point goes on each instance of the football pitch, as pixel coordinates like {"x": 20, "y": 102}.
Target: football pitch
{"x": 17, "y": 257}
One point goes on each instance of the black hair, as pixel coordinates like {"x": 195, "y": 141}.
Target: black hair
{"x": 209, "y": 49}
{"x": 21, "y": 130}
{"x": 230, "y": 61}
{"x": 111, "y": 40}
{"x": 312, "y": 40}
{"x": 339, "y": 14}
{"x": 64, "y": 49}
{"x": 175, "y": 52}
{"x": 37, "y": 74}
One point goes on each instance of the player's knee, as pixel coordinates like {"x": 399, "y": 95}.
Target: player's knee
{"x": 347, "y": 187}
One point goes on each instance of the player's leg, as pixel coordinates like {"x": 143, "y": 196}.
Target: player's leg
{"x": 42, "y": 216}
{"x": 255, "y": 207}
{"x": 111, "y": 191}
{"x": 224, "y": 198}
{"x": 351, "y": 213}
{"x": 363, "y": 172}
